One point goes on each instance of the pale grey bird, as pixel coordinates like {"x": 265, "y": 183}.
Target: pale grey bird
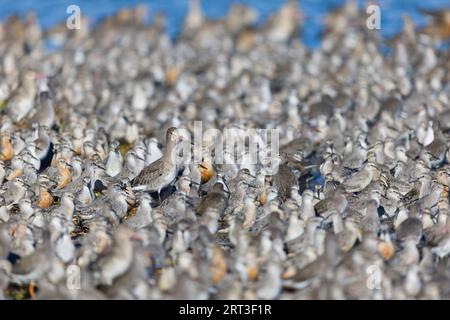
{"x": 410, "y": 229}
{"x": 356, "y": 158}
{"x": 269, "y": 285}
{"x": 21, "y": 100}
{"x": 116, "y": 260}
{"x": 153, "y": 151}
{"x": 16, "y": 190}
{"x": 5, "y": 240}
{"x": 30, "y": 155}
{"x": 409, "y": 255}
{"x": 361, "y": 179}
{"x": 26, "y": 209}
{"x": 61, "y": 217}
{"x": 435, "y": 152}
{"x": 65, "y": 248}
{"x": 236, "y": 200}
{"x": 215, "y": 200}
{"x": 85, "y": 195}
{"x": 35, "y": 266}
{"x": 4, "y": 211}
{"x": 438, "y": 237}
{"x": 114, "y": 162}
{"x": 307, "y": 208}
{"x": 162, "y": 172}
{"x": 371, "y": 221}
{"x": 90, "y": 169}
{"x": 133, "y": 165}
{"x": 335, "y": 201}
{"x": 42, "y": 140}
{"x": 143, "y": 216}
{"x": 44, "y": 113}
{"x": 113, "y": 205}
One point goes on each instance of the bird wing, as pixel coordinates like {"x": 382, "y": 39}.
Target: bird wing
{"x": 356, "y": 179}
{"x": 149, "y": 173}
{"x": 436, "y": 15}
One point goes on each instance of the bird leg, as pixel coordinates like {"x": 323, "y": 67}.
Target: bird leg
{"x": 32, "y": 290}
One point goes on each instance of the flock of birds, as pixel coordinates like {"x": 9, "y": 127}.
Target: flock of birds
{"x": 91, "y": 178}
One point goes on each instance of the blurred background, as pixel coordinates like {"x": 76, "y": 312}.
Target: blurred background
{"x": 51, "y": 12}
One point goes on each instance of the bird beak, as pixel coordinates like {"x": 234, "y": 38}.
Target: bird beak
{"x": 189, "y": 201}
{"x": 27, "y": 162}
{"x": 181, "y": 138}
{"x": 140, "y": 158}
{"x": 40, "y": 76}
{"x": 136, "y": 237}
{"x": 52, "y": 180}
{"x": 27, "y": 185}
{"x": 10, "y": 206}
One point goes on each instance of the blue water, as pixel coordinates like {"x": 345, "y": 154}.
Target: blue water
{"x": 51, "y": 12}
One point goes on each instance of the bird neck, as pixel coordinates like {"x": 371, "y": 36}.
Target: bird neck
{"x": 170, "y": 152}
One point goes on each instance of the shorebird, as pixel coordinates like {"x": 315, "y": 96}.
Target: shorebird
{"x": 332, "y": 202}
{"x": 63, "y": 174}
{"x": 347, "y": 232}
{"x": 42, "y": 139}
{"x": 386, "y": 248}
{"x": 34, "y": 266}
{"x": 4, "y": 212}
{"x": 438, "y": 237}
{"x": 283, "y": 180}
{"x": 133, "y": 165}
{"x": 115, "y": 160}
{"x": 409, "y": 255}
{"x": 284, "y": 24}
{"x": 361, "y": 179}
{"x": 215, "y": 200}
{"x": 44, "y": 113}
{"x": 143, "y": 216}
{"x": 84, "y": 196}
{"x": 307, "y": 208}
{"x": 235, "y": 204}
{"x": 61, "y": 217}
{"x": 410, "y": 229}
{"x": 7, "y": 150}
{"x": 21, "y": 100}
{"x": 16, "y": 190}
{"x": 116, "y": 262}
{"x": 206, "y": 170}
{"x": 162, "y": 172}
{"x": 439, "y": 26}
{"x": 371, "y": 221}
{"x": 112, "y": 206}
